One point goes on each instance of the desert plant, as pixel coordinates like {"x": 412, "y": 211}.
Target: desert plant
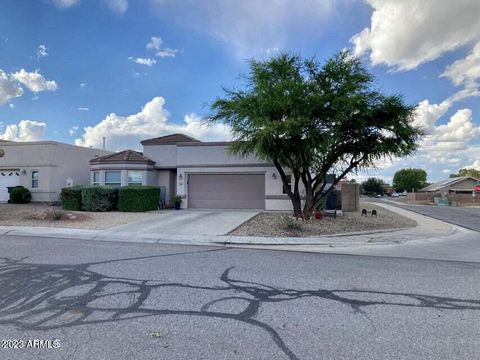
{"x": 177, "y": 199}
{"x": 292, "y": 224}
{"x": 71, "y": 198}
{"x": 138, "y": 198}
{"x": 99, "y": 198}
{"x": 20, "y": 195}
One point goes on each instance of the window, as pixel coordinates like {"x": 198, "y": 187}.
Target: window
{"x": 34, "y": 179}
{"x": 135, "y": 177}
{"x": 96, "y": 178}
{"x": 113, "y": 178}
{"x": 289, "y": 183}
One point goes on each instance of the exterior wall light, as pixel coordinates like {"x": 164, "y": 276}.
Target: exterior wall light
{"x": 180, "y": 176}
{"x": 274, "y": 176}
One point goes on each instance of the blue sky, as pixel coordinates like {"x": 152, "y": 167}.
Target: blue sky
{"x": 77, "y": 70}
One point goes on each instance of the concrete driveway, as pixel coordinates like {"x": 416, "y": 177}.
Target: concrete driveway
{"x": 188, "y": 222}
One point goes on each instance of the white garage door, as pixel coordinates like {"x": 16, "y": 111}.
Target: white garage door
{"x": 226, "y": 191}
{"x": 8, "y": 178}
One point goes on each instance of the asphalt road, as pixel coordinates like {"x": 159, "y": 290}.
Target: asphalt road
{"x": 462, "y": 216}
{"x": 145, "y": 301}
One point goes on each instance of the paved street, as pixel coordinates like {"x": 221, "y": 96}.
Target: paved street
{"x": 462, "y": 216}
{"x": 148, "y": 301}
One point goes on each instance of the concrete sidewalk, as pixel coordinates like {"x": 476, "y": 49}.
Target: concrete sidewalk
{"x": 427, "y": 229}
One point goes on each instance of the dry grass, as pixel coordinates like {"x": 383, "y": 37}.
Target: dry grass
{"x": 51, "y": 216}
{"x": 284, "y": 225}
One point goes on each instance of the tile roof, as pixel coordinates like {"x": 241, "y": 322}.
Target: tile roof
{"x": 122, "y": 157}
{"x": 169, "y": 140}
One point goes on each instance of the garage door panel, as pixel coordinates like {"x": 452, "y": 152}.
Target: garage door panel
{"x": 226, "y": 191}
{"x": 8, "y": 178}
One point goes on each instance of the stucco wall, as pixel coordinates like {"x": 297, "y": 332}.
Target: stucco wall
{"x": 55, "y": 163}
{"x": 163, "y": 155}
{"x": 208, "y": 155}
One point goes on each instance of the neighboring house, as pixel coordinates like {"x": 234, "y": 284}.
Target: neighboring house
{"x": 458, "y": 185}
{"x": 204, "y": 174}
{"x": 44, "y": 167}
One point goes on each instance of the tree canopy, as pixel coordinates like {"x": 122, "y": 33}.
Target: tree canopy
{"x": 467, "y": 172}
{"x": 373, "y": 186}
{"x": 311, "y": 119}
{"x": 410, "y": 179}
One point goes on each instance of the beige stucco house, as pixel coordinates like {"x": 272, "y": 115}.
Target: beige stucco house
{"x": 204, "y": 174}
{"x": 458, "y": 185}
{"x": 44, "y": 167}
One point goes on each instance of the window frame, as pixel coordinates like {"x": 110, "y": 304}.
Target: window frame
{"x": 289, "y": 182}
{"x": 134, "y": 183}
{"x": 99, "y": 182}
{"x": 34, "y": 180}
{"x": 114, "y": 184}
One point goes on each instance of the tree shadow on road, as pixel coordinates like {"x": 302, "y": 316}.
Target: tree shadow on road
{"x": 45, "y": 296}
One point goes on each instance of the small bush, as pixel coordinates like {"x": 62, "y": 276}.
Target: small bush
{"x": 99, "y": 198}
{"x": 292, "y": 225}
{"x": 71, "y": 198}
{"x": 138, "y": 198}
{"x": 20, "y": 195}
{"x": 53, "y": 214}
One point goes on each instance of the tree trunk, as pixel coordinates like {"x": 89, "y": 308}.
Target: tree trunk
{"x": 309, "y": 205}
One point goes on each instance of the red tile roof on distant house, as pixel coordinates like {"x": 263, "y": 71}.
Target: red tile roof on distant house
{"x": 169, "y": 140}
{"x": 123, "y": 157}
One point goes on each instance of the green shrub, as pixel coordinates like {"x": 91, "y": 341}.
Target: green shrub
{"x": 99, "y": 198}
{"x": 71, "y": 198}
{"x": 20, "y": 195}
{"x": 138, "y": 198}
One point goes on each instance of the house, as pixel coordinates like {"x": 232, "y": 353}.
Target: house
{"x": 204, "y": 174}
{"x": 44, "y": 167}
{"x": 458, "y": 185}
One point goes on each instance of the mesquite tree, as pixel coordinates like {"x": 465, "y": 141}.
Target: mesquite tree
{"x": 311, "y": 119}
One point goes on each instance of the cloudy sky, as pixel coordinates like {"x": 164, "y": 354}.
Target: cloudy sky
{"x": 77, "y": 70}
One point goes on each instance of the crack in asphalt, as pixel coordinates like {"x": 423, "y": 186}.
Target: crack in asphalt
{"x": 58, "y": 296}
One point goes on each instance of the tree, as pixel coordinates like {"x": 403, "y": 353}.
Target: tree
{"x": 409, "y": 179}
{"x": 315, "y": 120}
{"x": 467, "y": 172}
{"x": 373, "y": 186}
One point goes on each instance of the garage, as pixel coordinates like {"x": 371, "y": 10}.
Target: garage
{"x": 226, "y": 191}
{"x": 8, "y": 178}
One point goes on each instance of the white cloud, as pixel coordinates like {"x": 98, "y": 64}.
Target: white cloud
{"x": 42, "y": 51}
{"x": 407, "y": 33}
{"x": 465, "y": 71}
{"x": 82, "y": 85}
{"x": 118, "y": 6}
{"x": 143, "y": 61}
{"x": 168, "y": 52}
{"x": 25, "y": 130}
{"x": 427, "y": 114}
{"x": 73, "y": 130}
{"x": 65, "y": 4}
{"x": 475, "y": 165}
{"x": 9, "y": 88}
{"x": 155, "y": 43}
{"x": 153, "y": 120}
{"x": 248, "y": 26}
{"x": 34, "y": 81}
{"x": 83, "y": 109}
{"x": 12, "y": 106}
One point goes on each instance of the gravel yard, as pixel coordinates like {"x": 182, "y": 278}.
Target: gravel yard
{"x": 284, "y": 225}
{"x": 33, "y": 215}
